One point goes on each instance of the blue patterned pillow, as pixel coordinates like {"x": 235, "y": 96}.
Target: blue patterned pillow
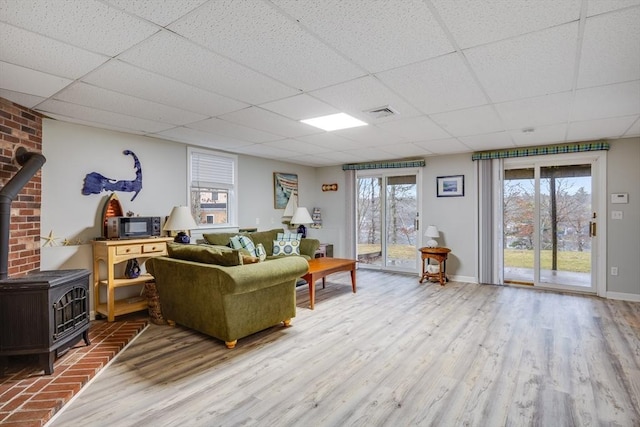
{"x": 288, "y": 237}
{"x": 243, "y": 242}
{"x": 286, "y": 248}
{"x": 261, "y": 252}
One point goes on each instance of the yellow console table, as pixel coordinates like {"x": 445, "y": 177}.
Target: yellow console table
{"x": 112, "y": 253}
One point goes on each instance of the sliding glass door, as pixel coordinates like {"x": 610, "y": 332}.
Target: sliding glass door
{"x": 387, "y": 220}
{"x": 549, "y": 223}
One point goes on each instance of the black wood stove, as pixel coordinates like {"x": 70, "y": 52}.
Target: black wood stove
{"x": 43, "y": 313}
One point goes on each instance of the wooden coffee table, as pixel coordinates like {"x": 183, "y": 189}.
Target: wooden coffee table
{"x": 320, "y": 268}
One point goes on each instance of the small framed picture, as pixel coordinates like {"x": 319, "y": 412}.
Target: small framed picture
{"x": 450, "y": 186}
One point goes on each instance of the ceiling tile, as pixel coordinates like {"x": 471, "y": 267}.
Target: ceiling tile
{"x": 90, "y": 123}
{"x": 262, "y": 150}
{"x": 371, "y": 136}
{"x": 476, "y": 22}
{"x": 89, "y": 114}
{"x": 267, "y": 121}
{"x": 363, "y": 94}
{"x": 312, "y": 160}
{"x": 634, "y": 129}
{"x": 444, "y": 146}
{"x": 198, "y": 67}
{"x": 125, "y": 78}
{"x": 610, "y": 52}
{"x": 300, "y": 107}
{"x": 201, "y": 138}
{"x": 531, "y": 65}
{"x": 296, "y": 146}
{"x": 472, "y": 121}
{"x": 404, "y": 150}
{"x": 330, "y": 141}
{"x": 23, "y": 80}
{"x": 596, "y": 7}
{"x": 30, "y": 50}
{"x": 370, "y": 154}
{"x": 607, "y": 101}
{"x": 488, "y": 141}
{"x": 258, "y": 36}
{"x": 89, "y": 24}
{"x": 103, "y": 99}
{"x": 440, "y": 84}
{"x": 419, "y": 128}
{"x": 232, "y": 130}
{"x": 395, "y": 33}
{"x": 162, "y": 14}
{"x": 23, "y": 99}
{"x": 538, "y": 111}
{"x": 596, "y": 129}
{"x": 342, "y": 157}
{"x": 541, "y": 135}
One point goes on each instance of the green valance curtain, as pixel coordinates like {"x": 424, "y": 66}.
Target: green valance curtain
{"x": 538, "y": 151}
{"x": 385, "y": 165}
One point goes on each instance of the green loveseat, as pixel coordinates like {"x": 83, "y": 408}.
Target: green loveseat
{"x": 227, "y": 302}
{"x": 308, "y": 247}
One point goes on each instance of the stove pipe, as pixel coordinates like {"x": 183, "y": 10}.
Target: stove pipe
{"x": 31, "y": 163}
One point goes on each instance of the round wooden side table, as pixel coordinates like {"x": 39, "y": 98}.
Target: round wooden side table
{"x": 440, "y": 255}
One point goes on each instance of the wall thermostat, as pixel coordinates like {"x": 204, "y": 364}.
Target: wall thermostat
{"x": 620, "y": 198}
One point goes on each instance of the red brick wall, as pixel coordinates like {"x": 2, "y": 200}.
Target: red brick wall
{"x": 20, "y": 126}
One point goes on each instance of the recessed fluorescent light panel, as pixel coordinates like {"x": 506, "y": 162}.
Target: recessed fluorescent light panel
{"x": 334, "y": 122}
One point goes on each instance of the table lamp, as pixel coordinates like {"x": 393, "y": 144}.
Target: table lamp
{"x": 433, "y": 233}
{"x": 181, "y": 220}
{"x": 300, "y": 218}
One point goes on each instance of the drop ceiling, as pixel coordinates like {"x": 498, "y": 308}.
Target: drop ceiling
{"x": 460, "y": 75}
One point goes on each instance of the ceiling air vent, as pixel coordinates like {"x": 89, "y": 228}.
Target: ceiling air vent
{"x": 380, "y": 112}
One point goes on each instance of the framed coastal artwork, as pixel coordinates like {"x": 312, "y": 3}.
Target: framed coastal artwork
{"x": 284, "y": 184}
{"x": 450, "y": 186}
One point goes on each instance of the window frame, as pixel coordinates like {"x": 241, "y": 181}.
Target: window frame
{"x": 232, "y": 197}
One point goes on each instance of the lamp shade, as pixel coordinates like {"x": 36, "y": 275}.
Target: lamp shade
{"x": 180, "y": 219}
{"x": 301, "y": 216}
{"x": 432, "y": 232}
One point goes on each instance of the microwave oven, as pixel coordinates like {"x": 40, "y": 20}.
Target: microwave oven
{"x": 133, "y": 227}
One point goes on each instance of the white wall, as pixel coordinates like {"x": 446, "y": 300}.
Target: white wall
{"x": 623, "y": 235}
{"x": 73, "y": 150}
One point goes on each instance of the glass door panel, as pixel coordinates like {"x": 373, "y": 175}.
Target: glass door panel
{"x": 369, "y": 217}
{"x": 547, "y": 213}
{"x": 401, "y": 216}
{"x": 519, "y": 222}
{"x": 565, "y": 214}
{"x": 387, "y": 218}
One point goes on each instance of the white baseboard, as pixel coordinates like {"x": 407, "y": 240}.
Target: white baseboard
{"x": 465, "y": 279}
{"x": 623, "y": 296}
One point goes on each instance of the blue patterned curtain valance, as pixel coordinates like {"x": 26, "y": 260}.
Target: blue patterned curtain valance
{"x": 385, "y": 165}
{"x": 538, "y": 151}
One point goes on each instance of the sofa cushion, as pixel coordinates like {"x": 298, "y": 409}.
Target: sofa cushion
{"x": 286, "y": 247}
{"x": 206, "y": 254}
{"x": 289, "y": 236}
{"x": 243, "y": 242}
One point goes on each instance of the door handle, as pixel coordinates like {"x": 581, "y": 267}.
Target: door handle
{"x": 592, "y": 229}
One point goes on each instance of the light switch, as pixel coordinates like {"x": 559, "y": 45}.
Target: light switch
{"x": 616, "y": 214}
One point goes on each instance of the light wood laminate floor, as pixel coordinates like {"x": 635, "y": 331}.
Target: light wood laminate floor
{"x": 397, "y": 353}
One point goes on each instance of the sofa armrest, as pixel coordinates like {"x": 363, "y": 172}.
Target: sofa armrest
{"x": 309, "y": 247}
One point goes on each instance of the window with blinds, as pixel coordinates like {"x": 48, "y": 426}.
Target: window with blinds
{"x": 212, "y": 187}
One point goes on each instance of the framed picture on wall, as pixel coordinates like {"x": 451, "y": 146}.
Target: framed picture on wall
{"x": 450, "y": 186}
{"x": 284, "y": 184}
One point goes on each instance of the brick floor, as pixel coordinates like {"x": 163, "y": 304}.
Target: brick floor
{"x": 28, "y": 397}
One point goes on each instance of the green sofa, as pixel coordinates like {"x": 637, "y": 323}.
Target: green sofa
{"x": 308, "y": 247}
{"x": 227, "y": 302}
